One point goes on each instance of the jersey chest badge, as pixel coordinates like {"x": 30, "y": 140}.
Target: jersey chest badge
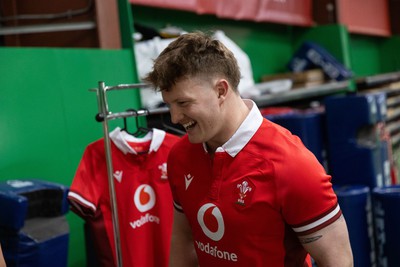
{"x": 163, "y": 169}
{"x": 243, "y": 193}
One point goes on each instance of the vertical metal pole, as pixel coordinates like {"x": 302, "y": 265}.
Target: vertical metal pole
{"x": 113, "y": 200}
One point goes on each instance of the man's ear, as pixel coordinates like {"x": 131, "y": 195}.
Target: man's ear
{"x": 222, "y": 87}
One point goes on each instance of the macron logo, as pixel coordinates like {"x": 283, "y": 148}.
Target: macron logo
{"x": 188, "y": 180}
{"x": 118, "y": 175}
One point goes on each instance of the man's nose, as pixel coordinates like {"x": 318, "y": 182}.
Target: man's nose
{"x": 176, "y": 114}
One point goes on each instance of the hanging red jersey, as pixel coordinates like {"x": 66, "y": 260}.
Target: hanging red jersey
{"x": 143, "y": 197}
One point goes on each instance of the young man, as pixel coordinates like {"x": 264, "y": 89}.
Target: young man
{"x": 246, "y": 191}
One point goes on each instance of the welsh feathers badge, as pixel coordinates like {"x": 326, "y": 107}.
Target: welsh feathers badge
{"x": 243, "y": 193}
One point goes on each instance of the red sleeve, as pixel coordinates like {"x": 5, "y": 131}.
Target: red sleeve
{"x": 305, "y": 191}
{"x": 84, "y": 194}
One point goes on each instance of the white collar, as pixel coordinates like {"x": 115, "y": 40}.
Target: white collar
{"x": 121, "y": 139}
{"x": 245, "y": 131}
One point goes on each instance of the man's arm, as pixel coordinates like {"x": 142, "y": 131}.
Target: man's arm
{"x": 2, "y": 262}
{"x": 182, "y": 253}
{"x": 330, "y": 246}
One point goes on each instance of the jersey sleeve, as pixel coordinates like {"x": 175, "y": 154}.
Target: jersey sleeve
{"x": 84, "y": 194}
{"x": 307, "y": 199}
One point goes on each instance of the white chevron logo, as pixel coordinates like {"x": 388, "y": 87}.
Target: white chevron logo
{"x": 188, "y": 180}
{"x": 118, "y": 175}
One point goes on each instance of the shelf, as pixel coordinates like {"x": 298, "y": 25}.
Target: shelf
{"x": 392, "y": 114}
{"x": 302, "y": 93}
{"x": 393, "y": 101}
{"x": 67, "y": 23}
{"x": 395, "y": 139}
{"x": 377, "y": 80}
{"x": 72, "y": 26}
{"x": 393, "y": 127}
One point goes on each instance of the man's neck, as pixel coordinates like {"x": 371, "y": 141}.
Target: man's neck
{"x": 235, "y": 113}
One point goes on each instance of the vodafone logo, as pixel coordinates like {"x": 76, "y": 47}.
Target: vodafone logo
{"x": 211, "y": 221}
{"x": 144, "y": 198}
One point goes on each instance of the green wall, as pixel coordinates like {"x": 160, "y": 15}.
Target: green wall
{"x": 47, "y": 114}
{"x": 390, "y": 56}
{"x": 366, "y": 54}
{"x": 372, "y": 55}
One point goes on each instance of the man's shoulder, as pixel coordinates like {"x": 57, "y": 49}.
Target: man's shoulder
{"x": 276, "y": 143}
{"x": 274, "y": 135}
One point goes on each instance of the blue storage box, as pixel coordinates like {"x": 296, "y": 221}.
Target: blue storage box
{"x": 41, "y": 242}
{"x": 311, "y": 55}
{"x": 33, "y": 229}
{"x": 355, "y": 203}
{"x": 354, "y": 143}
{"x": 386, "y": 202}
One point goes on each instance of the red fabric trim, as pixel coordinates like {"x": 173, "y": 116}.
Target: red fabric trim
{"x": 321, "y": 226}
{"x": 316, "y": 218}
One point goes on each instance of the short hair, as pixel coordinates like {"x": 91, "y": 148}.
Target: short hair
{"x": 194, "y": 54}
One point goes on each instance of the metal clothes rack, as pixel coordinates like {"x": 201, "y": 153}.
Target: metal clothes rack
{"x": 104, "y": 116}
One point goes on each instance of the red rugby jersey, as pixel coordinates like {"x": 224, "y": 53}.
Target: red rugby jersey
{"x": 248, "y": 204}
{"x": 143, "y": 195}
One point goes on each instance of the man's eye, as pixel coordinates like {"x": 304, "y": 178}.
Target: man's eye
{"x": 182, "y": 103}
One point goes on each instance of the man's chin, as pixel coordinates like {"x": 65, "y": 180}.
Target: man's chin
{"x": 195, "y": 139}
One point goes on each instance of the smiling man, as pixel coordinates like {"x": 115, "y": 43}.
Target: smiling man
{"x": 246, "y": 191}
